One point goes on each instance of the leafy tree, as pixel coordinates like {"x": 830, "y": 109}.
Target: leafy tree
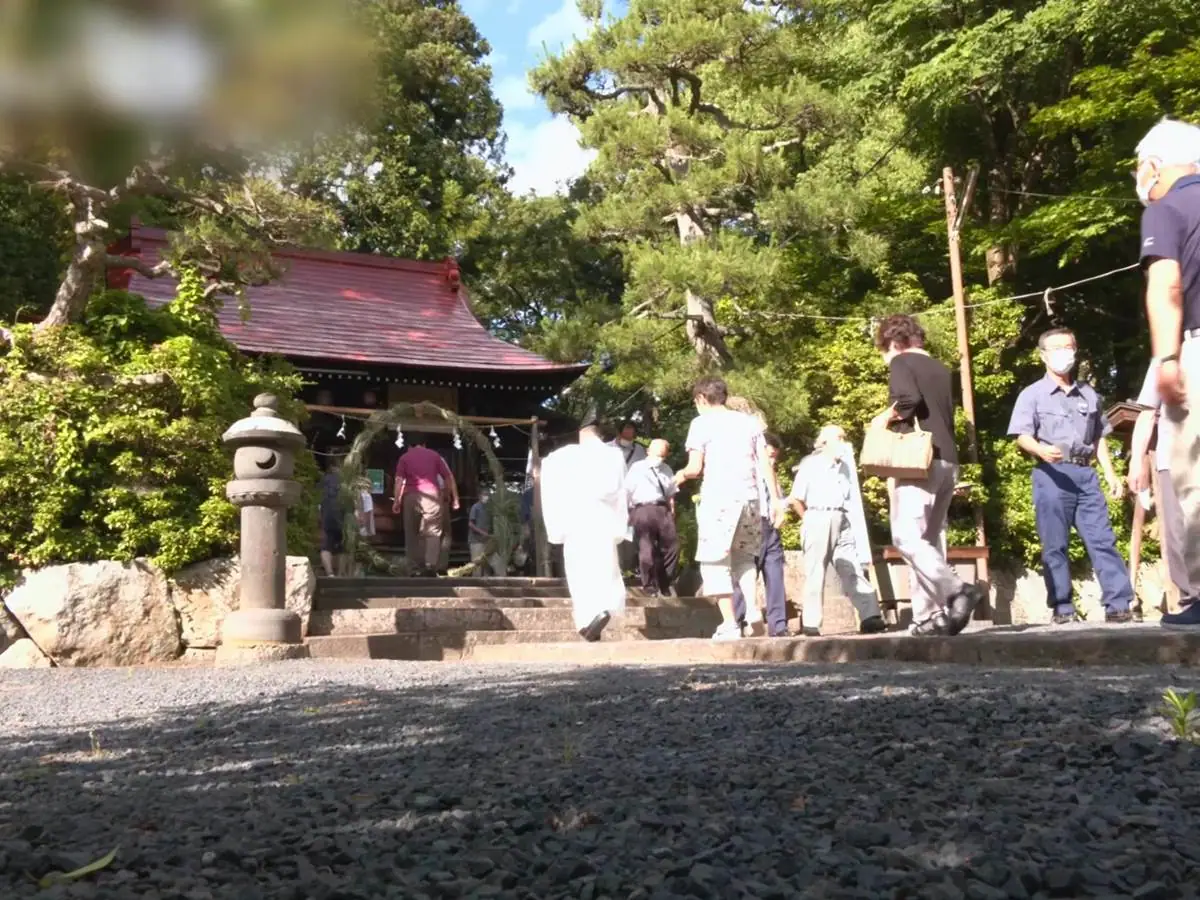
{"x": 701, "y": 122}
{"x": 110, "y": 436}
{"x": 415, "y": 179}
{"x": 536, "y": 281}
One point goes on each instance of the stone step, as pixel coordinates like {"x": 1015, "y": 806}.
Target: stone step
{"x": 350, "y": 601}
{"x": 678, "y": 621}
{"x": 449, "y": 645}
{"x": 402, "y": 582}
{"x": 332, "y": 594}
{"x": 1023, "y": 646}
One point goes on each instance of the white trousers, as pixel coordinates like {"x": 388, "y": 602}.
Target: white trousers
{"x": 593, "y": 578}
{"x": 920, "y": 511}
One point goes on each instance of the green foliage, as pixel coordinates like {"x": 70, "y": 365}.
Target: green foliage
{"x": 1182, "y": 712}
{"x": 110, "y": 436}
{"x": 415, "y": 179}
{"x": 802, "y": 161}
{"x": 533, "y": 279}
{"x": 35, "y": 238}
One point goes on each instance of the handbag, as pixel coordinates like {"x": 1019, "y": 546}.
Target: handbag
{"x": 891, "y": 454}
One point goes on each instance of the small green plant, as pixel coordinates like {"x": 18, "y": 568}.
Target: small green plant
{"x": 97, "y": 750}
{"x": 54, "y": 878}
{"x": 1180, "y": 710}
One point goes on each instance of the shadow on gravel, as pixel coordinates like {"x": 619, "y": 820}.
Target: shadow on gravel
{"x": 757, "y": 782}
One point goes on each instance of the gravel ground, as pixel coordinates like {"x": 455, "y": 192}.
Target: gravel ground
{"x": 409, "y": 780}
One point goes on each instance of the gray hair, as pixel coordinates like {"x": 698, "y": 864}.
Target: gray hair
{"x": 1172, "y": 143}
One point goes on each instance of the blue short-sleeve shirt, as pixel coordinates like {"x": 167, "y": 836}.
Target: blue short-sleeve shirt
{"x": 1171, "y": 230}
{"x": 1071, "y": 420}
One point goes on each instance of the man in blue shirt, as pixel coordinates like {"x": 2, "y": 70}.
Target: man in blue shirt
{"x": 1168, "y": 184}
{"x": 1060, "y": 422}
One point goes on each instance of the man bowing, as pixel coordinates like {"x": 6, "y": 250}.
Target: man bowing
{"x": 584, "y": 508}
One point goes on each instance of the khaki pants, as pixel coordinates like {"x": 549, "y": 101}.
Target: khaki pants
{"x": 422, "y": 519}
{"x": 1185, "y": 457}
{"x": 827, "y": 538}
{"x": 493, "y": 562}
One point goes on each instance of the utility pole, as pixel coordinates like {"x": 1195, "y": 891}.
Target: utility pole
{"x": 953, "y": 222}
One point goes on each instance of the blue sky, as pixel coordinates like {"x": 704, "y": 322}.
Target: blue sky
{"x": 543, "y": 150}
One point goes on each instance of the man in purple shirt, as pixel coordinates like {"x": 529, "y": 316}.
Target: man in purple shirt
{"x": 419, "y": 500}
{"x": 1168, "y": 184}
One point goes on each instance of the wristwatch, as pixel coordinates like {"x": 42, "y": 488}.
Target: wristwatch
{"x": 1170, "y": 357}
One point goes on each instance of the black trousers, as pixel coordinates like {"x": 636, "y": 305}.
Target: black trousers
{"x": 658, "y": 546}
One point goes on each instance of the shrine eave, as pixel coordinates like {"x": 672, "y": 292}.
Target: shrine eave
{"x": 535, "y": 381}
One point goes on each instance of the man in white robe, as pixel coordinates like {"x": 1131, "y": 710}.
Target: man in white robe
{"x": 585, "y": 509}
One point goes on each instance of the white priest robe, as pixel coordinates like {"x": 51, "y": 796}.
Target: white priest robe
{"x": 585, "y": 509}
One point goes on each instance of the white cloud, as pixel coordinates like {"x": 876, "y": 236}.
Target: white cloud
{"x": 513, "y": 93}
{"x": 545, "y": 156}
{"x": 561, "y": 27}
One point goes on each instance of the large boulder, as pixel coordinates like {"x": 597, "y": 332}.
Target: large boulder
{"x": 204, "y": 593}
{"x": 98, "y": 614}
{"x": 24, "y": 654}
{"x": 10, "y": 629}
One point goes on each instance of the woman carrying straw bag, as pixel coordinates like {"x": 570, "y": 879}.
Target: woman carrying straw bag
{"x": 912, "y": 443}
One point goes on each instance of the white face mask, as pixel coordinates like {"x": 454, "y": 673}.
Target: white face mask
{"x": 1143, "y": 190}
{"x": 1060, "y": 361}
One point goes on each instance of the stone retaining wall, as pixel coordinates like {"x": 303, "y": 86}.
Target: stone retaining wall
{"x": 123, "y": 614}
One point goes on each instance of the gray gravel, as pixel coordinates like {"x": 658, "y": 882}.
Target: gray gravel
{"x": 409, "y": 780}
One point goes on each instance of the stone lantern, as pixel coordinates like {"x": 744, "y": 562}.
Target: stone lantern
{"x": 264, "y": 461}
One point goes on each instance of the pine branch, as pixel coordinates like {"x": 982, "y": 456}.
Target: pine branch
{"x": 114, "y": 261}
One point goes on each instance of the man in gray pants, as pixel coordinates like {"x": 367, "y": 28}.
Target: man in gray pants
{"x": 824, "y": 496}
{"x": 1172, "y": 535}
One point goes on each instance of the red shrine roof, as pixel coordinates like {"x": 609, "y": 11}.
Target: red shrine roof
{"x": 353, "y": 307}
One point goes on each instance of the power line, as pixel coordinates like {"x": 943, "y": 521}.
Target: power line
{"x": 1044, "y": 294}
{"x": 1066, "y": 196}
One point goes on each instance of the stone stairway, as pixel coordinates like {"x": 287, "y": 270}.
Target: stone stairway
{"x": 450, "y": 618}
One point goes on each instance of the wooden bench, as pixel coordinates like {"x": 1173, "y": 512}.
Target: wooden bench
{"x": 892, "y": 575}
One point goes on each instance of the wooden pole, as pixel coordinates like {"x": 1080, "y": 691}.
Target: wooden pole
{"x": 953, "y": 221}
{"x": 1135, "y": 541}
{"x": 1170, "y": 591}
{"x": 541, "y": 546}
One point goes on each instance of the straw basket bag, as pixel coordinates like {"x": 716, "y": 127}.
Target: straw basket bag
{"x": 890, "y": 454}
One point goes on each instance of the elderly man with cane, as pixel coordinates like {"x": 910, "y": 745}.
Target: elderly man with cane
{"x": 826, "y": 496}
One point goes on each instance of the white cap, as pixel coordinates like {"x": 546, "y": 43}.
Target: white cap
{"x": 1172, "y": 142}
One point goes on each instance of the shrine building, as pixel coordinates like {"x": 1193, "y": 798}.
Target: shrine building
{"x": 368, "y": 332}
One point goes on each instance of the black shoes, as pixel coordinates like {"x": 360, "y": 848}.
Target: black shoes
{"x": 961, "y": 607}
{"x": 873, "y": 625}
{"x": 594, "y": 628}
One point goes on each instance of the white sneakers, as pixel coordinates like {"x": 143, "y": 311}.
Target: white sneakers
{"x": 727, "y": 631}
